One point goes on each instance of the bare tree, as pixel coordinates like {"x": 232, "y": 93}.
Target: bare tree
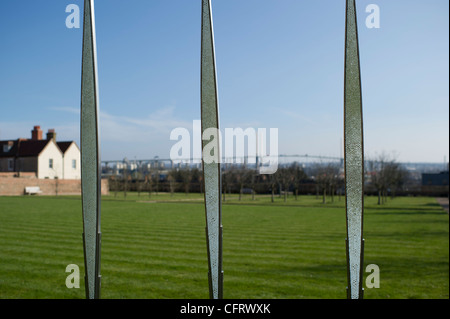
{"x": 149, "y": 183}
{"x": 299, "y": 176}
{"x": 172, "y": 178}
{"x": 241, "y": 176}
{"x": 227, "y": 182}
{"x": 397, "y": 177}
{"x": 385, "y": 175}
{"x": 273, "y": 181}
{"x": 197, "y": 178}
{"x": 326, "y": 176}
{"x": 125, "y": 183}
{"x": 186, "y": 178}
{"x": 333, "y": 178}
{"x": 114, "y": 184}
{"x": 200, "y": 181}
{"x": 285, "y": 179}
{"x": 157, "y": 177}
{"x": 253, "y": 182}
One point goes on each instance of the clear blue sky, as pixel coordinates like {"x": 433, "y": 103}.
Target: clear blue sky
{"x": 279, "y": 64}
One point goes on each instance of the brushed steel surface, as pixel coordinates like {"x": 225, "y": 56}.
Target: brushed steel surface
{"x": 90, "y": 155}
{"x": 211, "y": 168}
{"x": 354, "y": 154}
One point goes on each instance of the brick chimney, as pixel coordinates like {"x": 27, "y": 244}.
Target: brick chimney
{"x": 51, "y": 135}
{"x": 36, "y": 133}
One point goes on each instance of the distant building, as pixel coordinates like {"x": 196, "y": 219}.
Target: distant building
{"x": 435, "y": 184}
{"x": 46, "y": 158}
{"x": 439, "y": 179}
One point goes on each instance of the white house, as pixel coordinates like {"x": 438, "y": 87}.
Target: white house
{"x": 48, "y": 159}
{"x": 71, "y": 160}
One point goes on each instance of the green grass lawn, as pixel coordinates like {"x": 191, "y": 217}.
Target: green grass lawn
{"x": 155, "y": 247}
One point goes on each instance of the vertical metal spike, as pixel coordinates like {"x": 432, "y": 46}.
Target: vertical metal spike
{"x": 353, "y": 154}
{"x": 90, "y": 156}
{"x": 211, "y": 169}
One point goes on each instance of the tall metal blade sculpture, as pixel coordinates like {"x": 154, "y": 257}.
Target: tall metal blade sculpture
{"x": 211, "y": 154}
{"x": 90, "y": 156}
{"x": 354, "y": 155}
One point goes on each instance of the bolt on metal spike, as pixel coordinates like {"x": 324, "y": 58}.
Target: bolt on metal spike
{"x": 353, "y": 155}
{"x": 211, "y": 166}
{"x": 90, "y": 156}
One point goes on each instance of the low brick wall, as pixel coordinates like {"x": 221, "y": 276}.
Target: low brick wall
{"x": 14, "y": 186}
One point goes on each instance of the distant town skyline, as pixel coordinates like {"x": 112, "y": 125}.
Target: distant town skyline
{"x": 279, "y": 64}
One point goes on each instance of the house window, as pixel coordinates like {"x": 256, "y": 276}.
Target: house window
{"x": 50, "y": 163}
{"x": 10, "y": 164}
{"x": 74, "y": 164}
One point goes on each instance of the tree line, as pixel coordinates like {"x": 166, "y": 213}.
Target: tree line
{"x": 383, "y": 177}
